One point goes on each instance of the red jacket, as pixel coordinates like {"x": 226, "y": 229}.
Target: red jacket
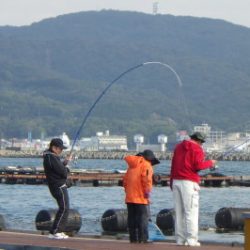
{"x": 138, "y": 180}
{"x": 187, "y": 161}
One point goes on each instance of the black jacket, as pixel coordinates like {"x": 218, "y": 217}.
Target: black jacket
{"x": 55, "y": 170}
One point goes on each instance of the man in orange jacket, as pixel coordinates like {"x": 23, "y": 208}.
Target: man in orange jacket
{"x": 138, "y": 185}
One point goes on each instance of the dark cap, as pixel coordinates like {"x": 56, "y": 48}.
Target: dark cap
{"x": 57, "y": 142}
{"x": 149, "y": 156}
{"x": 198, "y": 136}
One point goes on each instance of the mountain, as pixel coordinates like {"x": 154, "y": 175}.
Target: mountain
{"x": 51, "y": 72}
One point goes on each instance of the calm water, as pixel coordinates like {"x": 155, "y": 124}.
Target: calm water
{"x": 21, "y": 203}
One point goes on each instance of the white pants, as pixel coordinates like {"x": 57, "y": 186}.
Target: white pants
{"x": 186, "y": 204}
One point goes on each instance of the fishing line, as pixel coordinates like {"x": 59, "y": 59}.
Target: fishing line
{"x": 109, "y": 86}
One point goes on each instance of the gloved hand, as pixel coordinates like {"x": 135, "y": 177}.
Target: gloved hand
{"x": 69, "y": 183}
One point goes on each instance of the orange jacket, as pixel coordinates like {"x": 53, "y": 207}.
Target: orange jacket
{"x": 138, "y": 179}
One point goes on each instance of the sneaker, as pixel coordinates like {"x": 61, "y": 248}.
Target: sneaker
{"x": 64, "y": 235}
{"x": 180, "y": 243}
{"x": 58, "y": 236}
{"x": 145, "y": 241}
{"x": 193, "y": 244}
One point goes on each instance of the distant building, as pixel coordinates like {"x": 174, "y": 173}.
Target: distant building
{"x": 204, "y": 128}
{"x": 138, "y": 140}
{"x": 237, "y": 142}
{"x": 153, "y": 147}
{"x": 218, "y": 141}
{"x": 4, "y": 144}
{"x": 162, "y": 140}
{"x": 161, "y": 147}
{"x": 104, "y": 142}
{"x": 182, "y": 135}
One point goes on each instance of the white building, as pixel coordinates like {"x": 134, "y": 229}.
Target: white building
{"x": 161, "y": 147}
{"x": 104, "y": 142}
{"x": 215, "y": 140}
{"x": 153, "y": 147}
{"x": 182, "y": 135}
{"x": 204, "y": 128}
{"x": 219, "y": 141}
{"x": 138, "y": 140}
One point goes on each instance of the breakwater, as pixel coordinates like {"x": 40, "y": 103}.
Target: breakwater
{"x": 117, "y": 155}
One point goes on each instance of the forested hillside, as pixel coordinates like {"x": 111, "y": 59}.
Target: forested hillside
{"x": 52, "y": 71}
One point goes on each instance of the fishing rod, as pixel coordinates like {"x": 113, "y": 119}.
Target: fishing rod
{"x": 109, "y": 86}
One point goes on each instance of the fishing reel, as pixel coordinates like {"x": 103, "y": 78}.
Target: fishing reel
{"x": 214, "y": 168}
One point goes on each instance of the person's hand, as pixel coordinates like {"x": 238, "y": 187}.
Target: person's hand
{"x": 214, "y": 166}
{"x": 147, "y": 195}
{"x": 214, "y": 162}
{"x": 69, "y": 183}
{"x": 69, "y": 157}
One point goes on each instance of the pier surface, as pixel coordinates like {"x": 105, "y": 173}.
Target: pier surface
{"x": 32, "y": 241}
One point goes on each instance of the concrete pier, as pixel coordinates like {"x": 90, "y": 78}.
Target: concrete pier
{"x": 31, "y": 241}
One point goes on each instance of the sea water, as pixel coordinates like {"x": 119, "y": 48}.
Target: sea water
{"x": 20, "y": 203}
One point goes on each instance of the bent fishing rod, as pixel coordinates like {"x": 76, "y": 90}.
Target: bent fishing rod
{"x": 109, "y": 86}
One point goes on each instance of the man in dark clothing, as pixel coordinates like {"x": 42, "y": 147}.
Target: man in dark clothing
{"x": 56, "y": 174}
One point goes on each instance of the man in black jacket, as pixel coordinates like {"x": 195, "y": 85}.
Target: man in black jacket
{"x": 56, "y": 174}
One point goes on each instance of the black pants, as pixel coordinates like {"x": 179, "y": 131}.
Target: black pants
{"x": 62, "y": 198}
{"x": 137, "y": 222}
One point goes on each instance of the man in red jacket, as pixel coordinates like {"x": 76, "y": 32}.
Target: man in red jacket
{"x": 187, "y": 161}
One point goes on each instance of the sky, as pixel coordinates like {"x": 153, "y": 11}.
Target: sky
{"x": 25, "y": 12}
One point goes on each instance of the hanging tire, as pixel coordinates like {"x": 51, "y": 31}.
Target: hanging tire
{"x": 230, "y": 218}
{"x": 165, "y": 220}
{"x": 45, "y": 218}
{"x": 115, "y": 220}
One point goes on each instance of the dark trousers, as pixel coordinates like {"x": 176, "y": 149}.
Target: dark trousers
{"x": 137, "y": 222}
{"x": 62, "y": 198}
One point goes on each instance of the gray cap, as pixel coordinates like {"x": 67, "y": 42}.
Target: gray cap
{"x": 198, "y": 136}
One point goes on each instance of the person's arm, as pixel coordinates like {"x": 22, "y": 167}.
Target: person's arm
{"x": 67, "y": 160}
{"x": 200, "y": 163}
{"x": 125, "y": 177}
{"x": 147, "y": 174}
{"x": 125, "y": 181}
